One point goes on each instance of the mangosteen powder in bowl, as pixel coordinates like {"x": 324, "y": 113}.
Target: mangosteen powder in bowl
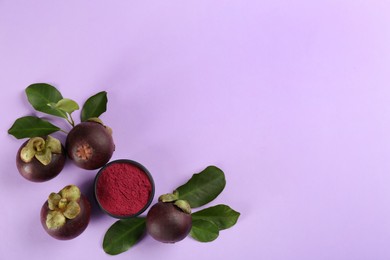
{"x": 124, "y": 188}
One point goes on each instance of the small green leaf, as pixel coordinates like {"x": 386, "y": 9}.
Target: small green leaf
{"x": 31, "y": 126}
{"x": 42, "y": 96}
{"x": 67, "y": 105}
{"x": 203, "y": 230}
{"x": 203, "y": 187}
{"x": 123, "y": 234}
{"x": 94, "y": 106}
{"x": 221, "y": 215}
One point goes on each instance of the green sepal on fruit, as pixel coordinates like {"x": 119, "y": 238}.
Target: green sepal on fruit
{"x": 41, "y": 149}
{"x": 183, "y": 205}
{"x": 40, "y": 159}
{"x": 66, "y": 214}
{"x": 63, "y": 205}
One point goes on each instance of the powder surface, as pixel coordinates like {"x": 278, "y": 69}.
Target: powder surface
{"x": 123, "y": 189}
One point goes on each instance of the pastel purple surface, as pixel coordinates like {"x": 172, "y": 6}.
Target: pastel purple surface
{"x": 291, "y": 99}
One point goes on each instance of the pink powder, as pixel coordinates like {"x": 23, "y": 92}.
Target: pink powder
{"x": 123, "y": 189}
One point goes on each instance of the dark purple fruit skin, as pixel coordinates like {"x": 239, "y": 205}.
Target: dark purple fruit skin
{"x": 97, "y": 137}
{"x": 73, "y": 227}
{"x": 35, "y": 171}
{"x": 167, "y": 223}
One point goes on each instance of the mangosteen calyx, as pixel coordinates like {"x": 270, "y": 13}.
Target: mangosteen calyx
{"x": 41, "y": 149}
{"x": 98, "y": 120}
{"x": 183, "y": 205}
{"x": 63, "y": 205}
{"x": 169, "y": 197}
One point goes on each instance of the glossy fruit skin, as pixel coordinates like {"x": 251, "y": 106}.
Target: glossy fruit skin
{"x": 35, "y": 171}
{"x": 167, "y": 223}
{"x": 73, "y": 227}
{"x": 96, "y": 138}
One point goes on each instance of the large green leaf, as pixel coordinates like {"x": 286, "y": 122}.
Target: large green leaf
{"x": 203, "y": 187}
{"x": 221, "y": 215}
{"x": 42, "y": 96}
{"x": 204, "y": 231}
{"x": 123, "y": 234}
{"x": 31, "y": 126}
{"x": 94, "y": 106}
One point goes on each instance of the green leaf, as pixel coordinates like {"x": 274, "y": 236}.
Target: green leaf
{"x": 94, "y": 106}
{"x": 204, "y": 231}
{"x": 31, "y": 126}
{"x": 42, "y": 96}
{"x": 221, "y": 215}
{"x": 123, "y": 234}
{"x": 67, "y": 105}
{"x": 203, "y": 187}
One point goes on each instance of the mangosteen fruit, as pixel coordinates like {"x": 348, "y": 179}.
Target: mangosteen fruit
{"x": 90, "y": 144}
{"x": 65, "y": 215}
{"x": 40, "y": 159}
{"x": 169, "y": 222}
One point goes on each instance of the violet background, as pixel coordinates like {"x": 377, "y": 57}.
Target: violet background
{"x": 291, "y": 98}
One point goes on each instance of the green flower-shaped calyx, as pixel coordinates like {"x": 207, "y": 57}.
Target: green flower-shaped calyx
{"x": 99, "y": 121}
{"x": 41, "y": 149}
{"x": 169, "y": 197}
{"x": 183, "y": 205}
{"x": 174, "y": 198}
{"x": 63, "y": 205}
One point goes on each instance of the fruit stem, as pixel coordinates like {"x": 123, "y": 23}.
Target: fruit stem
{"x": 70, "y": 120}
